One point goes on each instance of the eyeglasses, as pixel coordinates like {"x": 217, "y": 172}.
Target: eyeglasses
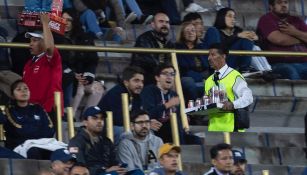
{"x": 168, "y": 74}
{"x": 146, "y": 122}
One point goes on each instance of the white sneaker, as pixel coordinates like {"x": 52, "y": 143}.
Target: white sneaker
{"x": 131, "y": 17}
{"x": 193, "y": 7}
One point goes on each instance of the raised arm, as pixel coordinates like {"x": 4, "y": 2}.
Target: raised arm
{"x": 48, "y": 37}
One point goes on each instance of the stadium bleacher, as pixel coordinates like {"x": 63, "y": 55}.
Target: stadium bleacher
{"x": 275, "y": 140}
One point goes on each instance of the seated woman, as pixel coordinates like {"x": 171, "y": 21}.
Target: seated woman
{"x": 193, "y": 68}
{"x": 233, "y": 37}
{"x": 79, "y": 68}
{"x": 23, "y": 121}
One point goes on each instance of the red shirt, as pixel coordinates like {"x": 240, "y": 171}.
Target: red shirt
{"x": 44, "y": 77}
{"x": 269, "y": 23}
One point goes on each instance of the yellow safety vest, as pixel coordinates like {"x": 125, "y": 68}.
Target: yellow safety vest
{"x": 223, "y": 121}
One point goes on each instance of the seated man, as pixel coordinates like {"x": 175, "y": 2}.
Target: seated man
{"x": 221, "y": 159}
{"x": 132, "y": 84}
{"x": 139, "y": 149}
{"x": 161, "y": 101}
{"x": 168, "y": 159}
{"x": 88, "y": 135}
{"x": 279, "y": 31}
{"x": 156, "y": 38}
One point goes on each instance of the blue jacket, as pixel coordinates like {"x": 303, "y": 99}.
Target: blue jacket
{"x": 23, "y": 123}
{"x": 187, "y": 65}
{"x": 112, "y": 101}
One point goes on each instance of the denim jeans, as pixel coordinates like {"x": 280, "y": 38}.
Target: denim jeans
{"x": 88, "y": 19}
{"x": 134, "y": 7}
{"x": 38, "y": 5}
{"x": 237, "y": 62}
{"x": 292, "y": 71}
{"x": 170, "y": 8}
{"x": 68, "y": 94}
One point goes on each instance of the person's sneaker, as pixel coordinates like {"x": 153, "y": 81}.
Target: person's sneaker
{"x": 193, "y": 7}
{"x": 131, "y": 17}
{"x": 146, "y": 19}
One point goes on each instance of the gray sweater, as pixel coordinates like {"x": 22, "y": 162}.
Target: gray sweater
{"x": 139, "y": 154}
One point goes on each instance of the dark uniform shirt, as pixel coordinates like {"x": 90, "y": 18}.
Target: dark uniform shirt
{"x": 23, "y": 123}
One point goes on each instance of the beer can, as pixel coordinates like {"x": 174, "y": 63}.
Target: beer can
{"x": 206, "y": 100}
{"x": 191, "y": 104}
{"x": 198, "y": 102}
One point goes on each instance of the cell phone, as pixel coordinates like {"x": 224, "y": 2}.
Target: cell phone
{"x": 123, "y": 165}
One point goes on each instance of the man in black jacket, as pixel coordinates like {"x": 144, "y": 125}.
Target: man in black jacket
{"x": 88, "y": 135}
{"x": 92, "y": 148}
{"x": 156, "y": 38}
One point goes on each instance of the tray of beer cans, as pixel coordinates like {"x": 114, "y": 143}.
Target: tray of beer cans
{"x": 210, "y": 104}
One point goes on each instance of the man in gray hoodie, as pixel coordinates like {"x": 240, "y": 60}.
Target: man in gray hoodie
{"x": 139, "y": 148}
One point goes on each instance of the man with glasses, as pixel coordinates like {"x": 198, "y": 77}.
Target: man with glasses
{"x": 139, "y": 148}
{"x": 237, "y": 93}
{"x": 160, "y": 100}
{"x": 221, "y": 159}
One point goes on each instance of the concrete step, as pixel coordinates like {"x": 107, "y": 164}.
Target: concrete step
{"x": 250, "y": 139}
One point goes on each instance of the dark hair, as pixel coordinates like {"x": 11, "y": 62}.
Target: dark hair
{"x": 136, "y": 113}
{"x": 192, "y": 16}
{"x": 271, "y": 2}
{"x": 161, "y": 67}
{"x": 14, "y": 85}
{"x": 78, "y": 164}
{"x": 216, "y": 148}
{"x": 130, "y": 71}
{"x": 76, "y": 25}
{"x": 220, "y": 18}
{"x": 220, "y": 48}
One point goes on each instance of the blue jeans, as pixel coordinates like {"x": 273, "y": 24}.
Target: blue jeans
{"x": 134, "y": 7}
{"x": 88, "y": 19}
{"x": 237, "y": 62}
{"x": 292, "y": 71}
{"x": 170, "y": 8}
{"x": 67, "y": 94}
{"x": 38, "y": 5}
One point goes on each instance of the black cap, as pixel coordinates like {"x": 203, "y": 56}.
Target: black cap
{"x": 238, "y": 157}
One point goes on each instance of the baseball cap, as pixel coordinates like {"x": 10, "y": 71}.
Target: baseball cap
{"x": 62, "y": 155}
{"x": 91, "y": 111}
{"x": 238, "y": 157}
{"x": 166, "y": 148}
{"x": 37, "y": 34}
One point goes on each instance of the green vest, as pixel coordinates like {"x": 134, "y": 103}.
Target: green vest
{"x": 223, "y": 121}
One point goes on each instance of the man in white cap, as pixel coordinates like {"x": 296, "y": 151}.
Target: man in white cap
{"x": 43, "y": 73}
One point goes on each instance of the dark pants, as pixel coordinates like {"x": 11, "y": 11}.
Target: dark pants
{"x": 38, "y": 154}
{"x": 237, "y": 62}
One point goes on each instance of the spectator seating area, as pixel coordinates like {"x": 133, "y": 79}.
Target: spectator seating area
{"x": 275, "y": 140}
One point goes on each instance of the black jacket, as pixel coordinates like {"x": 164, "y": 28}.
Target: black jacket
{"x": 112, "y": 101}
{"x": 80, "y": 145}
{"x": 101, "y": 156}
{"x": 147, "y": 61}
{"x": 23, "y": 123}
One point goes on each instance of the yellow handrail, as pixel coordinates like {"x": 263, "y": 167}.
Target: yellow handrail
{"x": 153, "y": 50}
